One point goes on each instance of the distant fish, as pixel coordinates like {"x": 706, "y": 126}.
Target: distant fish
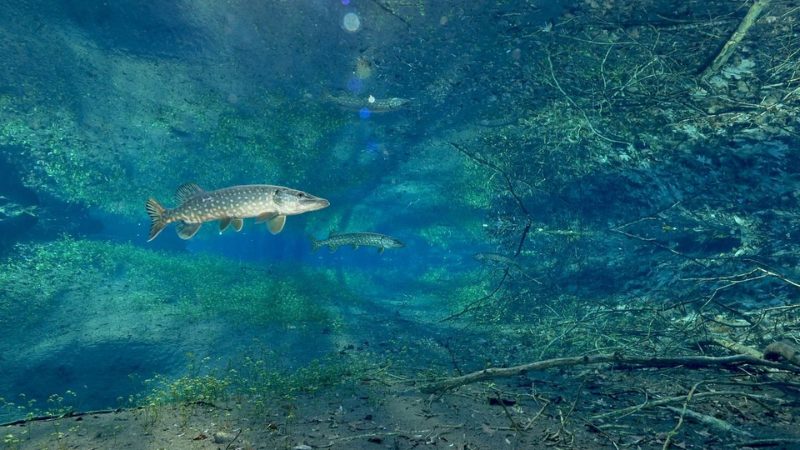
{"x": 376, "y": 105}
{"x": 230, "y": 205}
{"x": 10, "y": 210}
{"x": 336, "y": 240}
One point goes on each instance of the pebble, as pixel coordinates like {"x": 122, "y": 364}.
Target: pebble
{"x": 221, "y": 437}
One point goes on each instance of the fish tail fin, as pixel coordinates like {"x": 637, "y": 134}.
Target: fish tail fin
{"x": 158, "y": 218}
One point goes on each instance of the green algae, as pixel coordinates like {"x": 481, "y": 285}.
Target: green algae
{"x": 38, "y": 274}
{"x": 258, "y": 380}
{"x": 275, "y": 142}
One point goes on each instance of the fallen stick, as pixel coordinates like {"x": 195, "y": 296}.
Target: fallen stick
{"x": 682, "y": 415}
{"x": 773, "y": 442}
{"x": 737, "y": 36}
{"x": 66, "y": 415}
{"x": 693, "y": 362}
{"x": 724, "y": 342}
{"x": 710, "y": 421}
{"x": 96, "y": 412}
{"x": 697, "y": 396}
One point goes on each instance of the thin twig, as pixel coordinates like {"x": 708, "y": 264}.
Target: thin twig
{"x": 674, "y": 431}
{"x": 234, "y": 439}
{"x": 575, "y": 104}
{"x": 665, "y": 401}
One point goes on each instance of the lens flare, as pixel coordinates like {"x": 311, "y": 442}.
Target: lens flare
{"x": 355, "y": 85}
{"x": 351, "y": 22}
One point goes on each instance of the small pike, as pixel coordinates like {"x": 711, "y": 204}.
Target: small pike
{"x": 376, "y": 105}
{"x": 230, "y": 206}
{"x": 336, "y": 240}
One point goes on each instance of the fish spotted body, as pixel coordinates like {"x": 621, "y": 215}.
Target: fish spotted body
{"x": 336, "y": 240}
{"x": 230, "y": 206}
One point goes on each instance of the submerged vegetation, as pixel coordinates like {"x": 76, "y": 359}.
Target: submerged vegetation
{"x": 39, "y": 275}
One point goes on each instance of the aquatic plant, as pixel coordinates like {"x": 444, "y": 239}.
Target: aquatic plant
{"x": 37, "y": 275}
{"x": 274, "y": 145}
{"x": 257, "y": 381}
{"x": 12, "y": 441}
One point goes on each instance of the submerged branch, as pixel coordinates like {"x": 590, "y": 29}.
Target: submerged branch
{"x": 710, "y": 421}
{"x": 392, "y": 13}
{"x": 735, "y": 39}
{"x": 681, "y": 398}
{"x": 524, "y": 236}
{"x": 477, "y": 303}
{"x": 489, "y": 164}
{"x": 691, "y": 362}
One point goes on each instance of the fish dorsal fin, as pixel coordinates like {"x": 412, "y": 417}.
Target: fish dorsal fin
{"x": 187, "y": 191}
{"x": 237, "y": 224}
{"x": 223, "y": 223}
{"x": 276, "y": 224}
{"x": 332, "y": 234}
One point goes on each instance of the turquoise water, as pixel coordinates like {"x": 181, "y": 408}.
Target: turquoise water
{"x": 566, "y": 179}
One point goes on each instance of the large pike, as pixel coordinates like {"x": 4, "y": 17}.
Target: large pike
{"x": 230, "y": 205}
{"x": 336, "y": 240}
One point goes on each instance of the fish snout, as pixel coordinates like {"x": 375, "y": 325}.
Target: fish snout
{"x": 311, "y": 203}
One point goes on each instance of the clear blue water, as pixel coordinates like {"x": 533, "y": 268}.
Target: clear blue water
{"x": 550, "y": 164}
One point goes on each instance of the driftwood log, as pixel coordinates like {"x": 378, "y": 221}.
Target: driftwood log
{"x": 619, "y": 362}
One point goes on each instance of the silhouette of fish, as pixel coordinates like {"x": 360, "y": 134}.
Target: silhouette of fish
{"x": 10, "y": 210}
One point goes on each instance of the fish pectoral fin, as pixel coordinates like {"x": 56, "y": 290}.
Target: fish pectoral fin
{"x": 188, "y": 230}
{"x": 224, "y": 223}
{"x": 266, "y": 217}
{"x": 380, "y": 250}
{"x": 237, "y": 224}
{"x": 276, "y": 224}
{"x": 332, "y": 248}
{"x": 355, "y": 246}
